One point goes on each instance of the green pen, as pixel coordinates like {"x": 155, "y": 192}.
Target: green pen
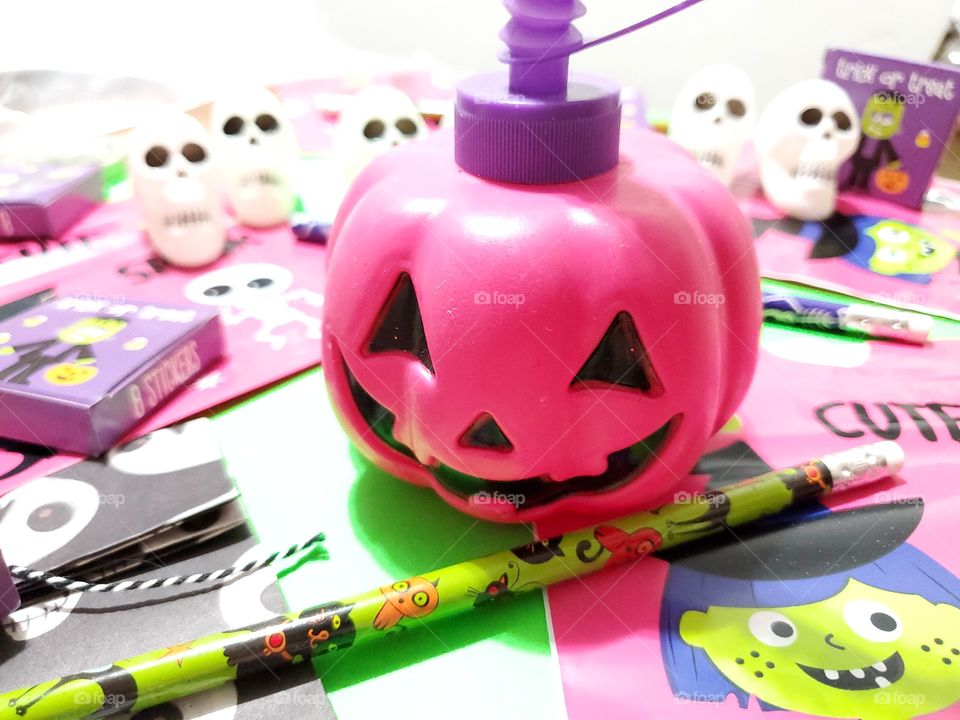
{"x": 170, "y": 673}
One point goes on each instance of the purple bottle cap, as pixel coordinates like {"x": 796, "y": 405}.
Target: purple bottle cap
{"x": 536, "y": 125}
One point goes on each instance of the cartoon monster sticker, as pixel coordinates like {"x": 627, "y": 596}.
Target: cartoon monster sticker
{"x": 862, "y": 626}
{"x": 850, "y": 655}
{"x": 906, "y": 249}
{"x": 881, "y": 120}
{"x": 501, "y": 587}
{"x": 881, "y": 245}
{"x": 70, "y": 363}
{"x": 413, "y": 598}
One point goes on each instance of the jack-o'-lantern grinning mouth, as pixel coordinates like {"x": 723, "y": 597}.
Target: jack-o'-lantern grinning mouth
{"x": 622, "y": 465}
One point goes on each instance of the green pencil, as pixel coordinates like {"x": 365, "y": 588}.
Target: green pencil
{"x": 189, "y": 667}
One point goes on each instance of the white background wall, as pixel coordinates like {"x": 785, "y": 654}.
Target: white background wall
{"x": 196, "y": 43}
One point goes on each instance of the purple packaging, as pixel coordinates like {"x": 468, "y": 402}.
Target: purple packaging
{"x": 77, "y": 372}
{"x": 41, "y": 201}
{"x": 9, "y": 598}
{"x": 907, "y": 111}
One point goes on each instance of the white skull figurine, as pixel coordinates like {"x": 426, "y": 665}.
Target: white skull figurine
{"x": 258, "y": 151}
{"x": 713, "y": 117}
{"x": 803, "y": 137}
{"x": 376, "y": 119}
{"x": 175, "y": 181}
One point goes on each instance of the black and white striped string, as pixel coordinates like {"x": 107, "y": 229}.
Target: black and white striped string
{"x": 224, "y": 574}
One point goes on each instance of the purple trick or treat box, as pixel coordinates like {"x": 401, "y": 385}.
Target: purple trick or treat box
{"x": 77, "y": 372}
{"x": 906, "y": 111}
{"x": 9, "y": 598}
{"x": 41, "y": 201}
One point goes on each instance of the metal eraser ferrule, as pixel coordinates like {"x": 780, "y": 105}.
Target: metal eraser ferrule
{"x": 864, "y": 464}
{"x": 882, "y": 322}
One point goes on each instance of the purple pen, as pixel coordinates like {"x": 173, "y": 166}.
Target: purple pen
{"x": 874, "y": 321}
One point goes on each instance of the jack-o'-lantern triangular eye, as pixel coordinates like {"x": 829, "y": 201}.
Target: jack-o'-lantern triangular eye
{"x": 399, "y": 327}
{"x": 620, "y": 359}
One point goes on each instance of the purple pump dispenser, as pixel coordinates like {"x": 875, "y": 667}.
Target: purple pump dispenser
{"x": 537, "y": 124}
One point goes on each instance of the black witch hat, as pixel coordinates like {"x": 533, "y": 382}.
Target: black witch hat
{"x": 804, "y": 542}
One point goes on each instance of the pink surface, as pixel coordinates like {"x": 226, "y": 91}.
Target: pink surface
{"x": 607, "y": 627}
{"x": 271, "y": 332}
{"x": 516, "y": 285}
{"x": 787, "y": 257}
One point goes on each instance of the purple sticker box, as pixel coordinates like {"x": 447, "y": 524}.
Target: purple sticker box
{"x": 9, "y": 598}
{"x": 41, "y": 201}
{"x": 77, "y": 372}
{"x": 907, "y": 111}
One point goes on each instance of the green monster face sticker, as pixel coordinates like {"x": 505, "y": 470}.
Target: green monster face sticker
{"x": 907, "y": 249}
{"x": 882, "y": 116}
{"x": 863, "y": 653}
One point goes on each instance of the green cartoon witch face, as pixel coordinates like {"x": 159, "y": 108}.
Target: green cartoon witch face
{"x": 863, "y": 653}
{"x": 882, "y": 116}
{"x": 907, "y": 249}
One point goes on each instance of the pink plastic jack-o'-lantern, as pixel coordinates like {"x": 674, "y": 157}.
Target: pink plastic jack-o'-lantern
{"x": 538, "y": 331}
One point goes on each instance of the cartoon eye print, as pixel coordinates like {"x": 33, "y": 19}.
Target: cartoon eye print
{"x": 43, "y": 516}
{"x": 167, "y": 450}
{"x": 892, "y": 235}
{"x": 772, "y": 628}
{"x": 872, "y": 620}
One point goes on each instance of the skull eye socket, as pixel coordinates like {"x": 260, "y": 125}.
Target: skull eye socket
{"x": 194, "y": 153}
{"x": 260, "y": 283}
{"x": 374, "y": 129}
{"x": 736, "y": 108}
{"x": 705, "y": 101}
{"x": 399, "y": 328}
{"x": 267, "y": 123}
{"x": 233, "y": 126}
{"x": 842, "y": 120}
{"x": 811, "y": 116}
{"x": 620, "y": 359}
{"x": 406, "y": 126}
{"x": 157, "y": 156}
{"x": 217, "y": 290}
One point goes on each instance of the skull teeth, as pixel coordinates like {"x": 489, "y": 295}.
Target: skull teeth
{"x": 882, "y": 682}
{"x": 832, "y": 674}
{"x": 881, "y": 666}
{"x": 186, "y": 218}
{"x": 815, "y": 172}
{"x": 263, "y": 177}
{"x": 709, "y": 157}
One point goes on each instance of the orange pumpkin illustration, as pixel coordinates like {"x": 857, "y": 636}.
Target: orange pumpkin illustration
{"x": 891, "y": 179}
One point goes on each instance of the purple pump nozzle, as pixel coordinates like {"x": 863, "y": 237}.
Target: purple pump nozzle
{"x": 538, "y": 124}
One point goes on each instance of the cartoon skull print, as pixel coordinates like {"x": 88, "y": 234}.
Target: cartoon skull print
{"x": 258, "y": 291}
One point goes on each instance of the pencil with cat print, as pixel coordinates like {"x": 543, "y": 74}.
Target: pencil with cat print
{"x": 194, "y": 666}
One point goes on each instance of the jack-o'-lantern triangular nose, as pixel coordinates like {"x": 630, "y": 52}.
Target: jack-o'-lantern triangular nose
{"x": 485, "y": 433}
